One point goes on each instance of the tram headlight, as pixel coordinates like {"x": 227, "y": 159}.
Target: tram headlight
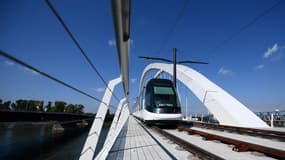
{"x": 157, "y": 110}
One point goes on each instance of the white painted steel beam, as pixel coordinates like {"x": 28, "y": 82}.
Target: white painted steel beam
{"x": 88, "y": 150}
{"x": 158, "y": 74}
{"x": 121, "y": 18}
{"x": 225, "y": 108}
{"x": 115, "y": 120}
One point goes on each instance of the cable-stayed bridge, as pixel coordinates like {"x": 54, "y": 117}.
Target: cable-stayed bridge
{"x": 240, "y": 133}
{"x": 129, "y": 138}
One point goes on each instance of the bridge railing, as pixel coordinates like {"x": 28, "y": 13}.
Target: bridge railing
{"x": 273, "y": 118}
{"x": 119, "y": 121}
{"x": 89, "y": 147}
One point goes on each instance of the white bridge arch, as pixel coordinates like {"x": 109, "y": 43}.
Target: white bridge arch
{"x": 225, "y": 108}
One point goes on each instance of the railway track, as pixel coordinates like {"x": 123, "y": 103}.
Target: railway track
{"x": 269, "y": 134}
{"x": 195, "y": 150}
{"x": 237, "y": 146}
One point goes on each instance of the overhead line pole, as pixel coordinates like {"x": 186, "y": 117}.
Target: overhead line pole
{"x": 186, "y": 105}
{"x": 174, "y": 67}
{"x": 174, "y": 61}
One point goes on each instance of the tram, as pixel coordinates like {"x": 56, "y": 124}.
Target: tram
{"x": 158, "y": 103}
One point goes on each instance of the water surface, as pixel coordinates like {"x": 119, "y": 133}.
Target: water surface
{"x": 37, "y": 141}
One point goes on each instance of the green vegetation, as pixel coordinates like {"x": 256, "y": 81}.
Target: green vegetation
{"x": 34, "y": 105}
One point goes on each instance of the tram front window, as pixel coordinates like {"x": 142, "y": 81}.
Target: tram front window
{"x": 164, "y": 97}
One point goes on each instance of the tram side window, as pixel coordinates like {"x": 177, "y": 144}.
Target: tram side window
{"x": 147, "y": 99}
{"x": 140, "y": 103}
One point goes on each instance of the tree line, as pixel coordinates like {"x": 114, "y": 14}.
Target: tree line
{"x": 36, "y": 105}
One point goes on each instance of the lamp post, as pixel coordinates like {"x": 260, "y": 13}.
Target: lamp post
{"x": 174, "y": 61}
{"x": 174, "y": 67}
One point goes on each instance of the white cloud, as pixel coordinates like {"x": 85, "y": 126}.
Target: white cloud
{"x": 133, "y": 80}
{"x": 34, "y": 72}
{"x": 224, "y": 71}
{"x": 259, "y": 66}
{"x": 112, "y": 43}
{"x": 275, "y": 48}
{"x": 100, "y": 89}
{"x": 277, "y": 56}
{"x": 31, "y": 71}
{"x": 9, "y": 63}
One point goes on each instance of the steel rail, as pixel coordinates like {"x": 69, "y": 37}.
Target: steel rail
{"x": 265, "y": 133}
{"x": 194, "y": 149}
{"x": 239, "y": 146}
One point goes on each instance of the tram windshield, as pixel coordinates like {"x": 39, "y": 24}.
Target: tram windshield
{"x": 164, "y": 96}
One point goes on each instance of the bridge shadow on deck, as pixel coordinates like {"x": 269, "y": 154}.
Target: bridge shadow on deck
{"x": 118, "y": 147}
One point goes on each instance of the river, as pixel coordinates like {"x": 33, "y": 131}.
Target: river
{"x": 37, "y": 141}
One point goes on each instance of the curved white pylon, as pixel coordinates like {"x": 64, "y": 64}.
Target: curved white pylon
{"x": 225, "y": 108}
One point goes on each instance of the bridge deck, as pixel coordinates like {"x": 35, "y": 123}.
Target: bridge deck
{"x": 135, "y": 142}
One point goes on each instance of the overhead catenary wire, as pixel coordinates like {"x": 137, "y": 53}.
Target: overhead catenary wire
{"x": 78, "y": 45}
{"x": 12, "y": 58}
{"x": 244, "y": 27}
{"x": 172, "y": 29}
{"x": 225, "y": 41}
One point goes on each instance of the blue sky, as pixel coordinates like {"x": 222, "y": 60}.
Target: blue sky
{"x": 251, "y": 66}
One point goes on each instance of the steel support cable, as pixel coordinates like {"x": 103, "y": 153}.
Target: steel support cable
{"x": 244, "y": 27}
{"x": 4, "y": 54}
{"x": 172, "y": 29}
{"x": 78, "y": 45}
